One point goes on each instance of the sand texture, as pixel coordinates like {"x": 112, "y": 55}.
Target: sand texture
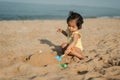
{"x": 28, "y": 50}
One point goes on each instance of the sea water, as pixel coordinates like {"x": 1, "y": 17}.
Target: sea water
{"x": 29, "y": 11}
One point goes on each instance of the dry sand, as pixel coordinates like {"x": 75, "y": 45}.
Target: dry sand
{"x": 28, "y": 50}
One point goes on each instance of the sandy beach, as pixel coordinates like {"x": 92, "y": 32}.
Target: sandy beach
{"x": 28, "y": 49}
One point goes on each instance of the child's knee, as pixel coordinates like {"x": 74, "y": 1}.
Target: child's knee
{"x": 64, "y": 45}
{"x": 75, "y": 50}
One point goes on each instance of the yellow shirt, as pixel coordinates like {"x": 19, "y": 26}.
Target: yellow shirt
{"x": 70, "y": 39}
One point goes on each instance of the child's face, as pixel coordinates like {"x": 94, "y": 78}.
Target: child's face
{"x": 72, "y": 25}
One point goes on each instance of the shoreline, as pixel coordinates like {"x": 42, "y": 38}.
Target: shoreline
{"x": 59, "y": 19}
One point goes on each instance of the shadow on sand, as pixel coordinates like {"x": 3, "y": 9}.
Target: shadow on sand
{"x": 56, "y": 48}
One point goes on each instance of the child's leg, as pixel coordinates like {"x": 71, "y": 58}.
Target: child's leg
{"x": 77, "y": 52}
{"x": 64, "y": 47}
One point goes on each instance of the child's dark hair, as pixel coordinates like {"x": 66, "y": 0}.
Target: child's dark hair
{"x": 77, "y": 16}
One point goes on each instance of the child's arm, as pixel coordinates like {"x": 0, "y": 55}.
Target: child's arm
{"x": 75, "y": 38}
{"x": 62, "y": 31}
{"x": 70, "y": 47}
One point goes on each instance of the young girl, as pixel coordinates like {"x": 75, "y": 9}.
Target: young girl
{"x": 73, "y": 45}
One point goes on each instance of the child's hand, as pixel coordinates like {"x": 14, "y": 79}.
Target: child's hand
{"x": 59, "y": 30}
{"x": 67, "y": 51}
{"x": 70, "y": 48}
